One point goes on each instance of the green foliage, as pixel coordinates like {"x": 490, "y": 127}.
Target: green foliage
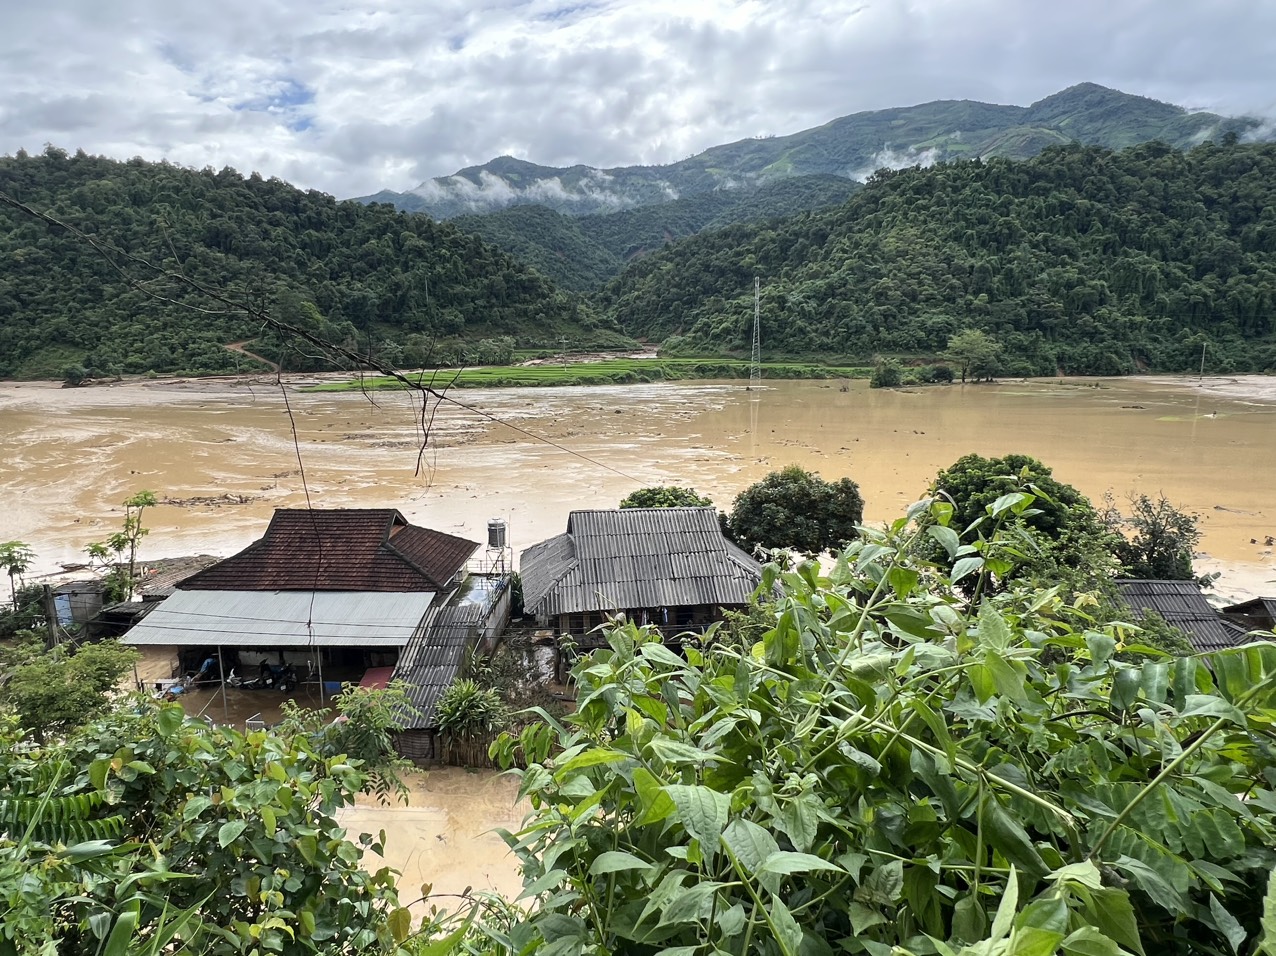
{"x": 467, "y": 709}
{"x": 360, "y": 725}
{"x": 26, "y": 613}
{"x": 1161, "y": 539}
{"x": 666, "y": 496}
{"x": 886, "y": 765}
{"x": 886, "y": 374}
{"x": 975, "y": 353}
{"x": 583, "y": 252}
{"x": 117, "y": 555}
{"x": 54, "y": 691}
{"x": 233, "y": 835}
{"x": 366, "y": 273}
{"x": 15, "y": 558}
{"x": 1080, "y": 260}
{"x": 795, "y": 509}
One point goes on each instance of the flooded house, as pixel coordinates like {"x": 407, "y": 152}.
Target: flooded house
{"x": 1182, "y": 605}
{"x": 328, "y": 597}
{"x": 669, "y": 567}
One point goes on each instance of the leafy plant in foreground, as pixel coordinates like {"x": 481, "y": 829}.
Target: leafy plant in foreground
{"x": 891, "y": 769}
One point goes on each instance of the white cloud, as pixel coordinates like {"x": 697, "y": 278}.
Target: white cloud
{"x": 354, "y": 95}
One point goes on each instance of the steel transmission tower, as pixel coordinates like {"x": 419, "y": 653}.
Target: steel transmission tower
{"x": 755, "y": 363}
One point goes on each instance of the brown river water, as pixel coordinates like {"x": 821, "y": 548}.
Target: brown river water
{"x": 70, "y": 456}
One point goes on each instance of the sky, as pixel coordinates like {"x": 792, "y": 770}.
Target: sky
{"x": 355, "y": 96}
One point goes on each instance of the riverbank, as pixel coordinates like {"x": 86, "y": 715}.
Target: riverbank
{"x": 598, "y": 371}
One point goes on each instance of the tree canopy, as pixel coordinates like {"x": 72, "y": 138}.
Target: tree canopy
{"x": 1082, "y": 260}
{"x": 665, "y": 496}
{"x": 796, "y": 509}
{"x": 369, "y": 275}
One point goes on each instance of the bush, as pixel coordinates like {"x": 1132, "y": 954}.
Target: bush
{"x": 796, "y": 509}
{"x": 467, "y": 710}
{"x": 666, "y": 496}
{"x": 886, "y": 374}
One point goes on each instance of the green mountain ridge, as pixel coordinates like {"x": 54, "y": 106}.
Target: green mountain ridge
{"x": 850, "y": 146}
{"x": 1081, "y": 260}
{"x": 358, "y": 275}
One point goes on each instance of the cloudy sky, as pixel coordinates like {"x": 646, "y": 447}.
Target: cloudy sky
{"x": 353, "y": 96}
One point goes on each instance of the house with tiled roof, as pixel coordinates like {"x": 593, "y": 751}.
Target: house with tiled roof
{"x": 333, "y": 593}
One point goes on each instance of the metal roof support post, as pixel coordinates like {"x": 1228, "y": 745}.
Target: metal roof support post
{"x": 319, "y": 651}
{"x": 221, "y": 670}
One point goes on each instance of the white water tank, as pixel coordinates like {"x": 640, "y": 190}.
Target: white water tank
{"x": 496, "y": 533}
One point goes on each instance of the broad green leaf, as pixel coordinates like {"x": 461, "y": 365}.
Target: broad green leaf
{"x": 169, "y": 720}
{"x": 1100, "y": 647}
{"x": 691, "y": 905}
{"x": 1125, "y": 688}
{"x": 1006, "y": 835}
{"x": 1006, "y": 909}
{"x": 800, "y": 820}
{"x": 970, "y": 923}
{"x": 1267, "y": 943}
{"x": 786, "y": 862}
{"x": 1110, "y": 910}
{"x": 1227, "y": 924}
{"x": 268, "y": 820}
{"x": 656, "y": 804}
{"x": 1032, "y": 941}
{"x": 884, "y": 884}
{"x": 117, "y": 944}
{"x": 229, "y": 832}
{"x": 863, "y": 918}
{"x": 702, "y": 813}
{"x": 993, "y": 631}
{"x": 1085, "y": 873}
{"x": 589, "y": 758}
{"x": 966, "y": 567}
{"x": 544, "y": 883}
{"x": 731, "y": 920}
{"x": 903, "y": 581}
{"x": 1088, "y": 941}
{"x": 1014, "y": 501}
{"x": 1155, "y": 679}
{"x": 788, "y": 933}
{"x": 1207, "y": 705}
{"x": 675, "y": 752}
{"x": 946, "y": 537}
{"x": 613, "y": 861}
{"x": 400, "y": 923}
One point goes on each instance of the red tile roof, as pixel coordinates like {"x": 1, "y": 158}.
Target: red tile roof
{"x": 348, "y": 549}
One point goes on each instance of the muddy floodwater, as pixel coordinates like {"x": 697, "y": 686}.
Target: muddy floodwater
{"x": 224, "y": 452}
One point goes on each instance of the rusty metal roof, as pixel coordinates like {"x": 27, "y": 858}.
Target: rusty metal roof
{"x": 628, "y": 558}
{"x": 347, "y": 549}
{"x": 1182, "y": 605}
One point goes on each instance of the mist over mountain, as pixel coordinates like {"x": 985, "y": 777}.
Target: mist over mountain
{"x": 851, "y": 147}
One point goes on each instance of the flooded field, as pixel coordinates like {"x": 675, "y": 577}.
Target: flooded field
{"x": 223, "y": 452}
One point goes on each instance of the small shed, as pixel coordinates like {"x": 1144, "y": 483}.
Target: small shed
{"x": 1183, "y": 606}
{"x": 1258, "y": 614}
{"x": 671, "y": 567}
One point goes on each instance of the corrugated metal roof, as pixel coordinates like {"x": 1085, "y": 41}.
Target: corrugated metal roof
{"x": 636, "y": 558}
{"x": 160, "y": 578}
{"x": 345, "y": 549}
{"x": 434, "y": 658}
{"x": 1256, "y": 607}
{"x": 279, "y": 619}
{"x": 1182, "y": 605}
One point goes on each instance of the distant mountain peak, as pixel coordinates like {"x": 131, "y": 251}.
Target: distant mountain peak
{"x": 851, "y": 147}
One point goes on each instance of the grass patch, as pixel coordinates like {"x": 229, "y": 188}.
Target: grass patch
{"x": 620, "y": 371}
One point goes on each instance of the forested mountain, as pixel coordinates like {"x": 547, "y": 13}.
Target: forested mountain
{"x": 583, "y": 252}
{"x": 1082, "y": 260}
{"x": 358, "y": 274}
{"x": 851, "y": 147}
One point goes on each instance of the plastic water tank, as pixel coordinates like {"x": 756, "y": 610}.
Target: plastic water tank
{"x": 496, "y": 533}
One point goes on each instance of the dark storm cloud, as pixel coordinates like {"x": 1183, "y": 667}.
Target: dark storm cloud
{"x": 353, "y": 96}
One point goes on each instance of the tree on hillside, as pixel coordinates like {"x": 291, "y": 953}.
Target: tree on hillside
{"x": 796, "y": 509}
{"x": 1161, "y": 541}
{"x": 666, "y": 496}
{"x": 975, "y": 353}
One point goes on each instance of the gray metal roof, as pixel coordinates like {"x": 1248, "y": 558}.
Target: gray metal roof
{"x": 637, "y": 558}
{"x": 1182, "y": 605}
{"x": 280, "y": 619}
{"x": 434, "y": 658}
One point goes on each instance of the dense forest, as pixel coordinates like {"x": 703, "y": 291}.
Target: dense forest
{"x": 1081, "y": 260}
{"x": 581, "y": 253}
{"x": 364, "y": 276}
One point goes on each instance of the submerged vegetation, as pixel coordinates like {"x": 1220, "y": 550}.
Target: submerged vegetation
{"x": 618, "y": 371}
